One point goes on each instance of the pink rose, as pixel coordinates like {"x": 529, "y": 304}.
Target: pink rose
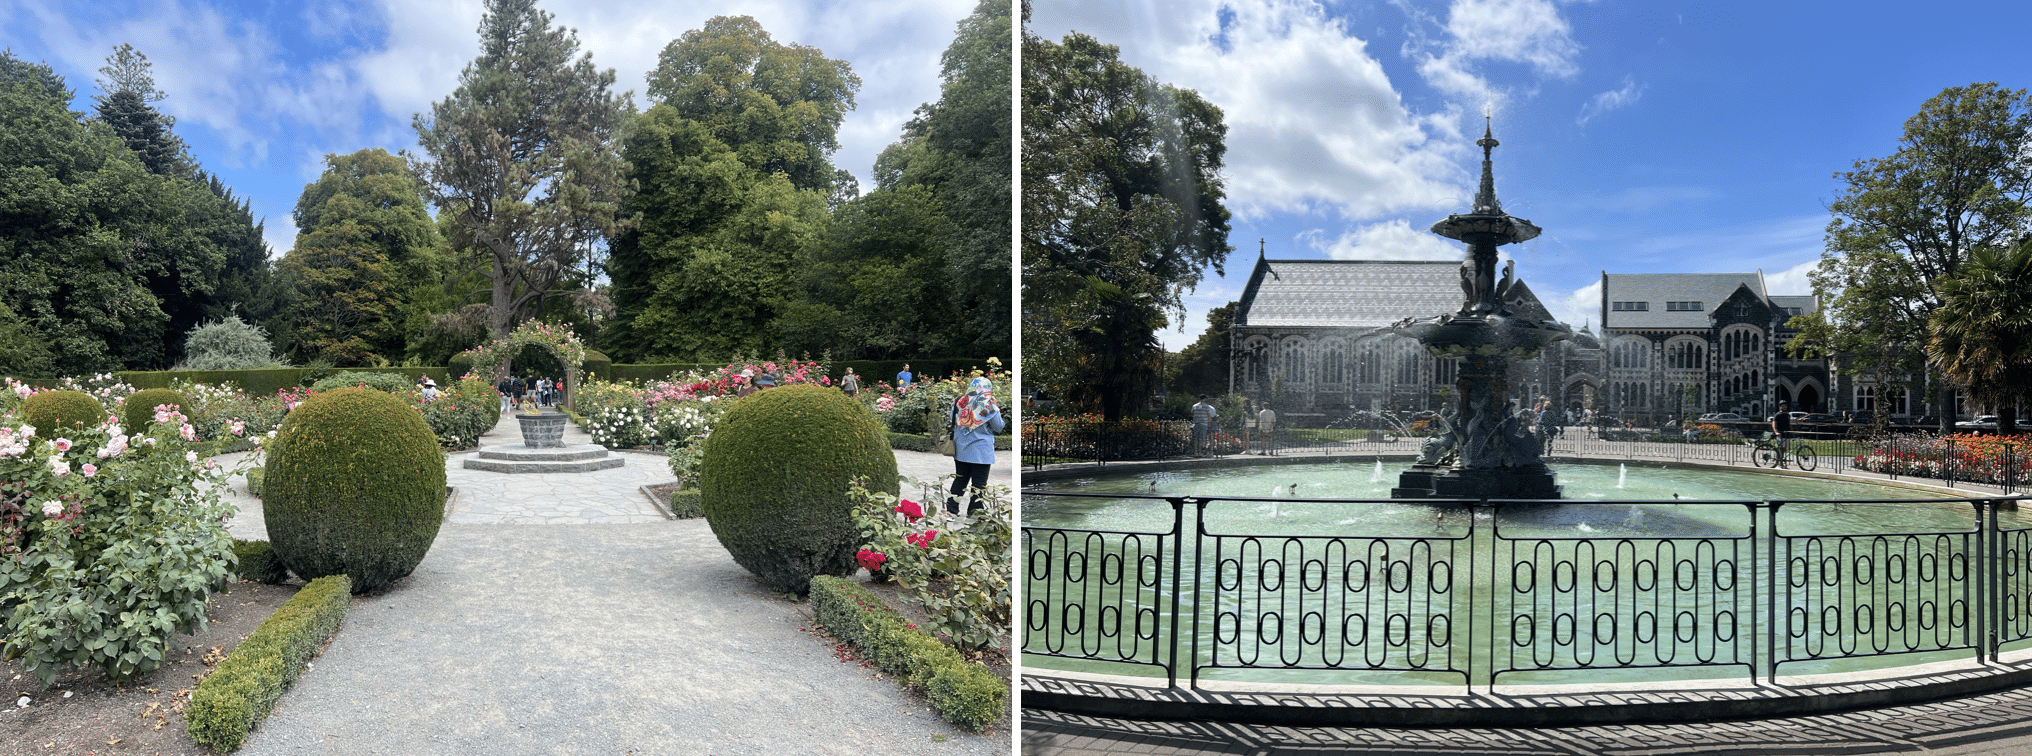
{"x": 62, "y": 444}
{"x": 89, "y": 469}
{"x": 51, "y": 509}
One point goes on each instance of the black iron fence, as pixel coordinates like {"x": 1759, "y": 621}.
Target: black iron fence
{"x": 1950, "y": 461}
{"x": 1754, "y": 589}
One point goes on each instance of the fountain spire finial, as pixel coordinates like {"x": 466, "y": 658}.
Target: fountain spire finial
{"x": 1485, "y": 200}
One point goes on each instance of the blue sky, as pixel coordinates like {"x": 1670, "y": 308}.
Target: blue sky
{"x": 262, "y": 91}
{"x": 1644, "y": 137}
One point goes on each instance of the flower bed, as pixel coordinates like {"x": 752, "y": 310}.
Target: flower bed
{"x": 1964, "y": 457}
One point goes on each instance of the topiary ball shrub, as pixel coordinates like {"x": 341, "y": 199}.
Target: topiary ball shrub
{"x": 354, "y": 485}
{"x": 138, "y": 413}
{"x": 773, "y": 484}
{"x": 52, "y": 410}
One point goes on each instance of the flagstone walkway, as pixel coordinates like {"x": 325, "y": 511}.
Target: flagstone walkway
{"x": 562, "y": 614}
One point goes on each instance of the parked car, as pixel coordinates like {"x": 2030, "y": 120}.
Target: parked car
{"x": 1815, "y": 417}
{"x": 1723, "y": 417}
{"x": 1982, "y": 422}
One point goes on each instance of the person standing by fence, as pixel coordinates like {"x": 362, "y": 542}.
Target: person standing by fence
{"x": 1266, "y": 427}
{"x": 1203, "y": 417}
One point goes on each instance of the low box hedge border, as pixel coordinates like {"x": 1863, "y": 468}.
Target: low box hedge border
{"x": 919, "y": 442}
{"x": 240, "y": 692}
{"x": 258, "y": 562}
{"x": 967, "y": 695}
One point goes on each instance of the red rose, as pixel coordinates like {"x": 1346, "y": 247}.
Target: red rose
{"x": 910, "y": 509}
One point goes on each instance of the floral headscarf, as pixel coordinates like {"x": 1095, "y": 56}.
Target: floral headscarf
{"x": 974, "y": 409}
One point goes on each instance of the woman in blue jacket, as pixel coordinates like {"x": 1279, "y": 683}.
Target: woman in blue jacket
{"x": 974, "y": 420}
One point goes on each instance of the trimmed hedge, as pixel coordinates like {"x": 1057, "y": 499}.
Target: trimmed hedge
{"x": 684, "y": 504}
{"x": 597, "y": 365}
{"x": 358, "y": 488}
{"x": 264, "y": 381}
{"x": 138, "y": 413}
{"x": 240, "y": 692}
{"x": 258, "y": 562}
{"x": 919, "y": 442}
{"x": 254, "y": 478}
{"x": 967, "y": 695}
{"x": 51, "y": 412}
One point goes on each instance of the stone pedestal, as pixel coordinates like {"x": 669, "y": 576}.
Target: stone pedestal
{"x": 544, "y": 431}
{"x": 1497, "y": 483}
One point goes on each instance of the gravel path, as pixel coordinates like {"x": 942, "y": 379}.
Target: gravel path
{"x": 641, "y": 638}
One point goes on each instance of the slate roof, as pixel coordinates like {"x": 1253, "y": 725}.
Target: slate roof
{"x": 1351, "y": 293}
{"x": 1709, "y": 289}
{"x": 1805, "y": 304}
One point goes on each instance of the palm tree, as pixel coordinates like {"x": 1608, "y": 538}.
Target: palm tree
{"x": 1981, "y": 335}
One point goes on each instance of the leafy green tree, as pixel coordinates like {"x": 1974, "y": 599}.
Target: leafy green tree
{"x": 876, "y": 287}
{"x": 1122, "y": 212}
{"x": 1957, "y": 183}
{"x": 522, "y": 156}
{"x": 958, "y": 149}
{"x": 1203, "y": 367}
{"x": 779, "y": 106}
{"x": 364, "y": 239}
{"x": 733, "y": 175}
{"x": 78, "y": 204}
{"x": 702, "y": 274}
{"x": 22, "y": 354}
{"x": 1982, "y": 331}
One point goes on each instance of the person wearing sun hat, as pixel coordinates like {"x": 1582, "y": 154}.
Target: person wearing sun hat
{"x": 974, "y": 420}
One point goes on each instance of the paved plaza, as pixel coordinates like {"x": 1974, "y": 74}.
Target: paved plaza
{"x": 563, "y": 614}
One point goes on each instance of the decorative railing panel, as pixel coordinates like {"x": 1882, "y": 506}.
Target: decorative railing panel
{"x": 1491, "y": 599}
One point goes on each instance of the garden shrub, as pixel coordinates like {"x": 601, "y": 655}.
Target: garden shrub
{"x": 243, "y": 689}
{"x": 52, "y": 411}
{"x": 967, "y": 695}
{"x": 684, "y": 504}
{"x": 916, "y": 442}
{"x": 775, "y": 478}
{"x": 254, "y": 478}
{"x": 114, "y": 544}
{"x": 258, "y": 562}
{"x": 358, "y": 487}
{"x": 138, "y": 412}
{"x": 959, "y": 575}
{"x": 228, "y": 344}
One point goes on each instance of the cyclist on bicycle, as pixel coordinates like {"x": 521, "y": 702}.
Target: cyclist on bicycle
{"x": 1781, "y": 430}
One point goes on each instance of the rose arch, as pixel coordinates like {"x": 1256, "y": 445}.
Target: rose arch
{"x": 561, "y": 342}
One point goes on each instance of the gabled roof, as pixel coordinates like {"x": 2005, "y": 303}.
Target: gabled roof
{"x": 1355, "y": 293}
{"x": 1656, "y": 289}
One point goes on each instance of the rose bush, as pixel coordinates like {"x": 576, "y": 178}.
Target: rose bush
{"x": 957, "y": 568}
{"x": 109, "y": 544}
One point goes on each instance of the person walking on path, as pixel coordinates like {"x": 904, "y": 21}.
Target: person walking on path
{"x": 974, "y": 420}
{"x": 851, "y": 383}
{"x": 903, "y": 378}
{"x": 1203, "y": 417}
{"x": 504, "y": 387}
{"x": 515, "y": 388}
{"x": 1266, "y": 426}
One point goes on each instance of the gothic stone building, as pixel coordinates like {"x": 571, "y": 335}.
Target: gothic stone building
{"x": 1310, "y": 337}
{"x": 1703, "y": 342}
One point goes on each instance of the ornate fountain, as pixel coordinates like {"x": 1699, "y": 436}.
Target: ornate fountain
{"x": 1485, "y": 450}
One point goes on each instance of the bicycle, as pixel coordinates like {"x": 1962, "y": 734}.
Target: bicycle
{"x": 1767, "y": 453}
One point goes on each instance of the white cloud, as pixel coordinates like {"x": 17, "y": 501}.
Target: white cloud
{"x": 1580, "y": 308}
{"x": 1314, "y": 124}
{"x": 1614, "y": 99}
{"x": 1527, "y": 32}
{"x": 1389, "y": 240}
{"x": 1791, "y": 281}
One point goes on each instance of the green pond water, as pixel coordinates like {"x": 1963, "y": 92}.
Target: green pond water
{"x": 1687, "y": 519}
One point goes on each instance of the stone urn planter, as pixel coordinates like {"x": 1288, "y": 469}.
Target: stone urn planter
{"x": 542, "y": 431}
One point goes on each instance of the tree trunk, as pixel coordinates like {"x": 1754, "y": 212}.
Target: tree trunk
{"x": 1943, "y": 397}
